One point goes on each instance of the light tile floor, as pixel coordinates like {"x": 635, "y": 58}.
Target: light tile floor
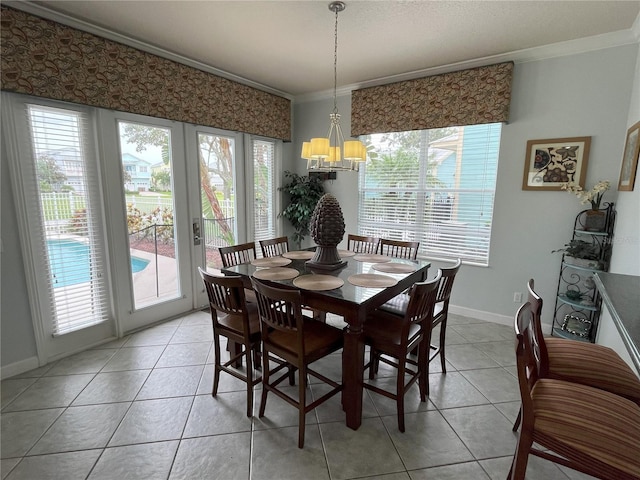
{"x": 141, "y": 407}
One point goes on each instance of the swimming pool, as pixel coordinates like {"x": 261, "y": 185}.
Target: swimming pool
{"x": 69, "y": 262}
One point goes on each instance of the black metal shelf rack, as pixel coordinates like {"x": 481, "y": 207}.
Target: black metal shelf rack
{"x": 578, "y": 303}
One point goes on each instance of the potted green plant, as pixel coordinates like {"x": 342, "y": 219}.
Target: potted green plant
{"x": 581, "y": 253}
{"x": 304, "y": 193}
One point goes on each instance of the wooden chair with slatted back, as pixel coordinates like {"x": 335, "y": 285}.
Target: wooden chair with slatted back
{"x": 362, "y": 244}
{"x": 580, "y": 362}
{"x": 298, "y": 340}
{"x": 580, "y": 427}
{"x": 274, "y": 247}
{"x": 399, "y": 249}
{"x": 236, "y": 320}
{"x": 392, "y": 338}
{"x": 237, "y": 254}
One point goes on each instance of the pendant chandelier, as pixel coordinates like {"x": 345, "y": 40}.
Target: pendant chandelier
{"x": 333, "y": 153}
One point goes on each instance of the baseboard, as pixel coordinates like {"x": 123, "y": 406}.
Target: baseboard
{"x": 19, "y": 367}
{"x": 480, "y": 315}
{"x": 489, "y": 316}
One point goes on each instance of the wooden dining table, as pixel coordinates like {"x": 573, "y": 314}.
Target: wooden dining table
{"x": 350, "y": 301}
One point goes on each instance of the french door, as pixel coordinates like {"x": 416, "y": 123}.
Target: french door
{"x": 150, "y": 232}
{"x": 116, "y": 211}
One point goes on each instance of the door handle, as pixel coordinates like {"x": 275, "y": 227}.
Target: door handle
{"x": 196, "y": 231}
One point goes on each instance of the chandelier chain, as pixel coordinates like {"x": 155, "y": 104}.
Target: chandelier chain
{"x": 335, "y": 64}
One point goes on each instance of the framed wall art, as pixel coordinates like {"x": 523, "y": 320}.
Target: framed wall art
{"x": 552, "y": 162}
{"x": 630, "y": 159}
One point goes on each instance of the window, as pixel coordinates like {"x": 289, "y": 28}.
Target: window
{"x": 433, "y": 186}
{"x": 67, "y": 241}
{"x": 264, "y": 189}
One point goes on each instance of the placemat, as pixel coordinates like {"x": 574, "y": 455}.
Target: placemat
{"x": 277, "y": 273}
{"x": 392, "y": 267}
{"x": 372, "y": 258}
{"x": 271, "y": 262}
{"x": 299, "y": 255}
{"x": 318, "y": 282}
{"x": 346, "y": 253}
{"x": 372, "y": 280}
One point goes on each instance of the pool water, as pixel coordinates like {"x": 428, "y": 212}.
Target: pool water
{"x": 69, "y": 262}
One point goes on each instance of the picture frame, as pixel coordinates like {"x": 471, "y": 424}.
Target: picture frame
{"x": 554, "y": 161}
{"x": 630, "y": 159}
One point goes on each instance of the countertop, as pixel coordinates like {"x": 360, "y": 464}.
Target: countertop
{"x": 621, "y": 294}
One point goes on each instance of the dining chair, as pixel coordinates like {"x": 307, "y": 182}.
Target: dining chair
{"x": 299, "y": 341}
{"x": 580, "y": 362}
{"x": 236, "y": 320}
{"x": 392, "y": 338}
{"x": 237, "y": 254}
{"x": 398, "y": 306}
{"x": 362, "y": 244}
{"x": 274, "y": 247}
{"x": 399, "y": 249}
{"x": 580, "y": 427}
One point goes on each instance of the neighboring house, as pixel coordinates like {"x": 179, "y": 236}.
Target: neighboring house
{"x": 161, "y": 176}
{"x": 70, "y": 164}
{"x": 139, "y": 171}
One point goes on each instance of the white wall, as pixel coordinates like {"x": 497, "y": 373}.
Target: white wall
{"x": 16, "y": 329}
{"x": 578, "y": 95}
{"x": 625, "y": 257}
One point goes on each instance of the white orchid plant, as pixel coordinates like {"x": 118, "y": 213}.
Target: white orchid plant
{"x": 593, "y": 196}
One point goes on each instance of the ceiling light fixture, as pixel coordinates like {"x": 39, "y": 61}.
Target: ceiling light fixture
{"x": 332, "y": 153}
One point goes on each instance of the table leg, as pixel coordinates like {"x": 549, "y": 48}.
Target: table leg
{"x": 352, "y": 371}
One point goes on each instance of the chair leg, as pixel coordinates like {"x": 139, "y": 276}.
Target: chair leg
{"x": 521, "y": 457}
{"x": 302, "y": 401}
{"x": 373, "y": 359}
{"x": 516, "y": 424}
{"x": 443, "y": 333}
{"x": 265, "y": 381}
{"x": 400, "y": 394}
{"x": 249, "y": 353}
{"x": 216, "y": 365}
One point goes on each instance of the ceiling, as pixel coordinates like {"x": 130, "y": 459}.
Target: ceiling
{"x": 288, "y": 46}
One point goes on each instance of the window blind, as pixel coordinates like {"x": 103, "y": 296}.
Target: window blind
{"x": 433, "y": 186}
{"x": 64, "y": 196}
{"x": 264, "y": 190}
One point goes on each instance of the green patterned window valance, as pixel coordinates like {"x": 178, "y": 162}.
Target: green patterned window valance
{"x": 47, "y": 59}
{"x": 466, "y": 97}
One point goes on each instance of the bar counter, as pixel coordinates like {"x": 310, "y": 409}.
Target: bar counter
{"x": 621, "y": 295}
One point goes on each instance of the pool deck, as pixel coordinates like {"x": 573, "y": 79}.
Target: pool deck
{"x": 148, "y": 291}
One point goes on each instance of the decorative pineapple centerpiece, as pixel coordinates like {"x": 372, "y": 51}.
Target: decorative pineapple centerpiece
{"x": 327, "y": 230}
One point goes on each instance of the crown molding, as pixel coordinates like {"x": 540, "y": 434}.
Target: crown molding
{"x": 47, "y": 13}
{"x": 561, "y": 49}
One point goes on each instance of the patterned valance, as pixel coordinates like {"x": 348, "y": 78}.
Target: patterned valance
{"x": 466, "y": 97}
{"x": 47, "y": 59}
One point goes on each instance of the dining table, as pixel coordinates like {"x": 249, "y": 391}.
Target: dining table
{"x": 362, "y": 283}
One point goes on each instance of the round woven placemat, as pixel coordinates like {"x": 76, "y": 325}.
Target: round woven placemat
{"x": 318, "y": 282}
{"x": 277, "y": 273}
{"x": 299, "y": 255}
{"x": 371, "y": 258}
{"x": 392, "y": 267}
{"x": 271, "y": 262}
{"x": 372, "y": 280}
{"x": 346, "y": 253}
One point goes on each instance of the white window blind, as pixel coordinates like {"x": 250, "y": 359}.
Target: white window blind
{"x": 264, "y": 189}
{"x": 433, "y": 186}
{"x": 63, "y": 193}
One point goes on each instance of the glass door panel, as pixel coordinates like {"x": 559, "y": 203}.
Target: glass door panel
{"x": 145, "y": 154}
{"x": 218, "y": 196}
